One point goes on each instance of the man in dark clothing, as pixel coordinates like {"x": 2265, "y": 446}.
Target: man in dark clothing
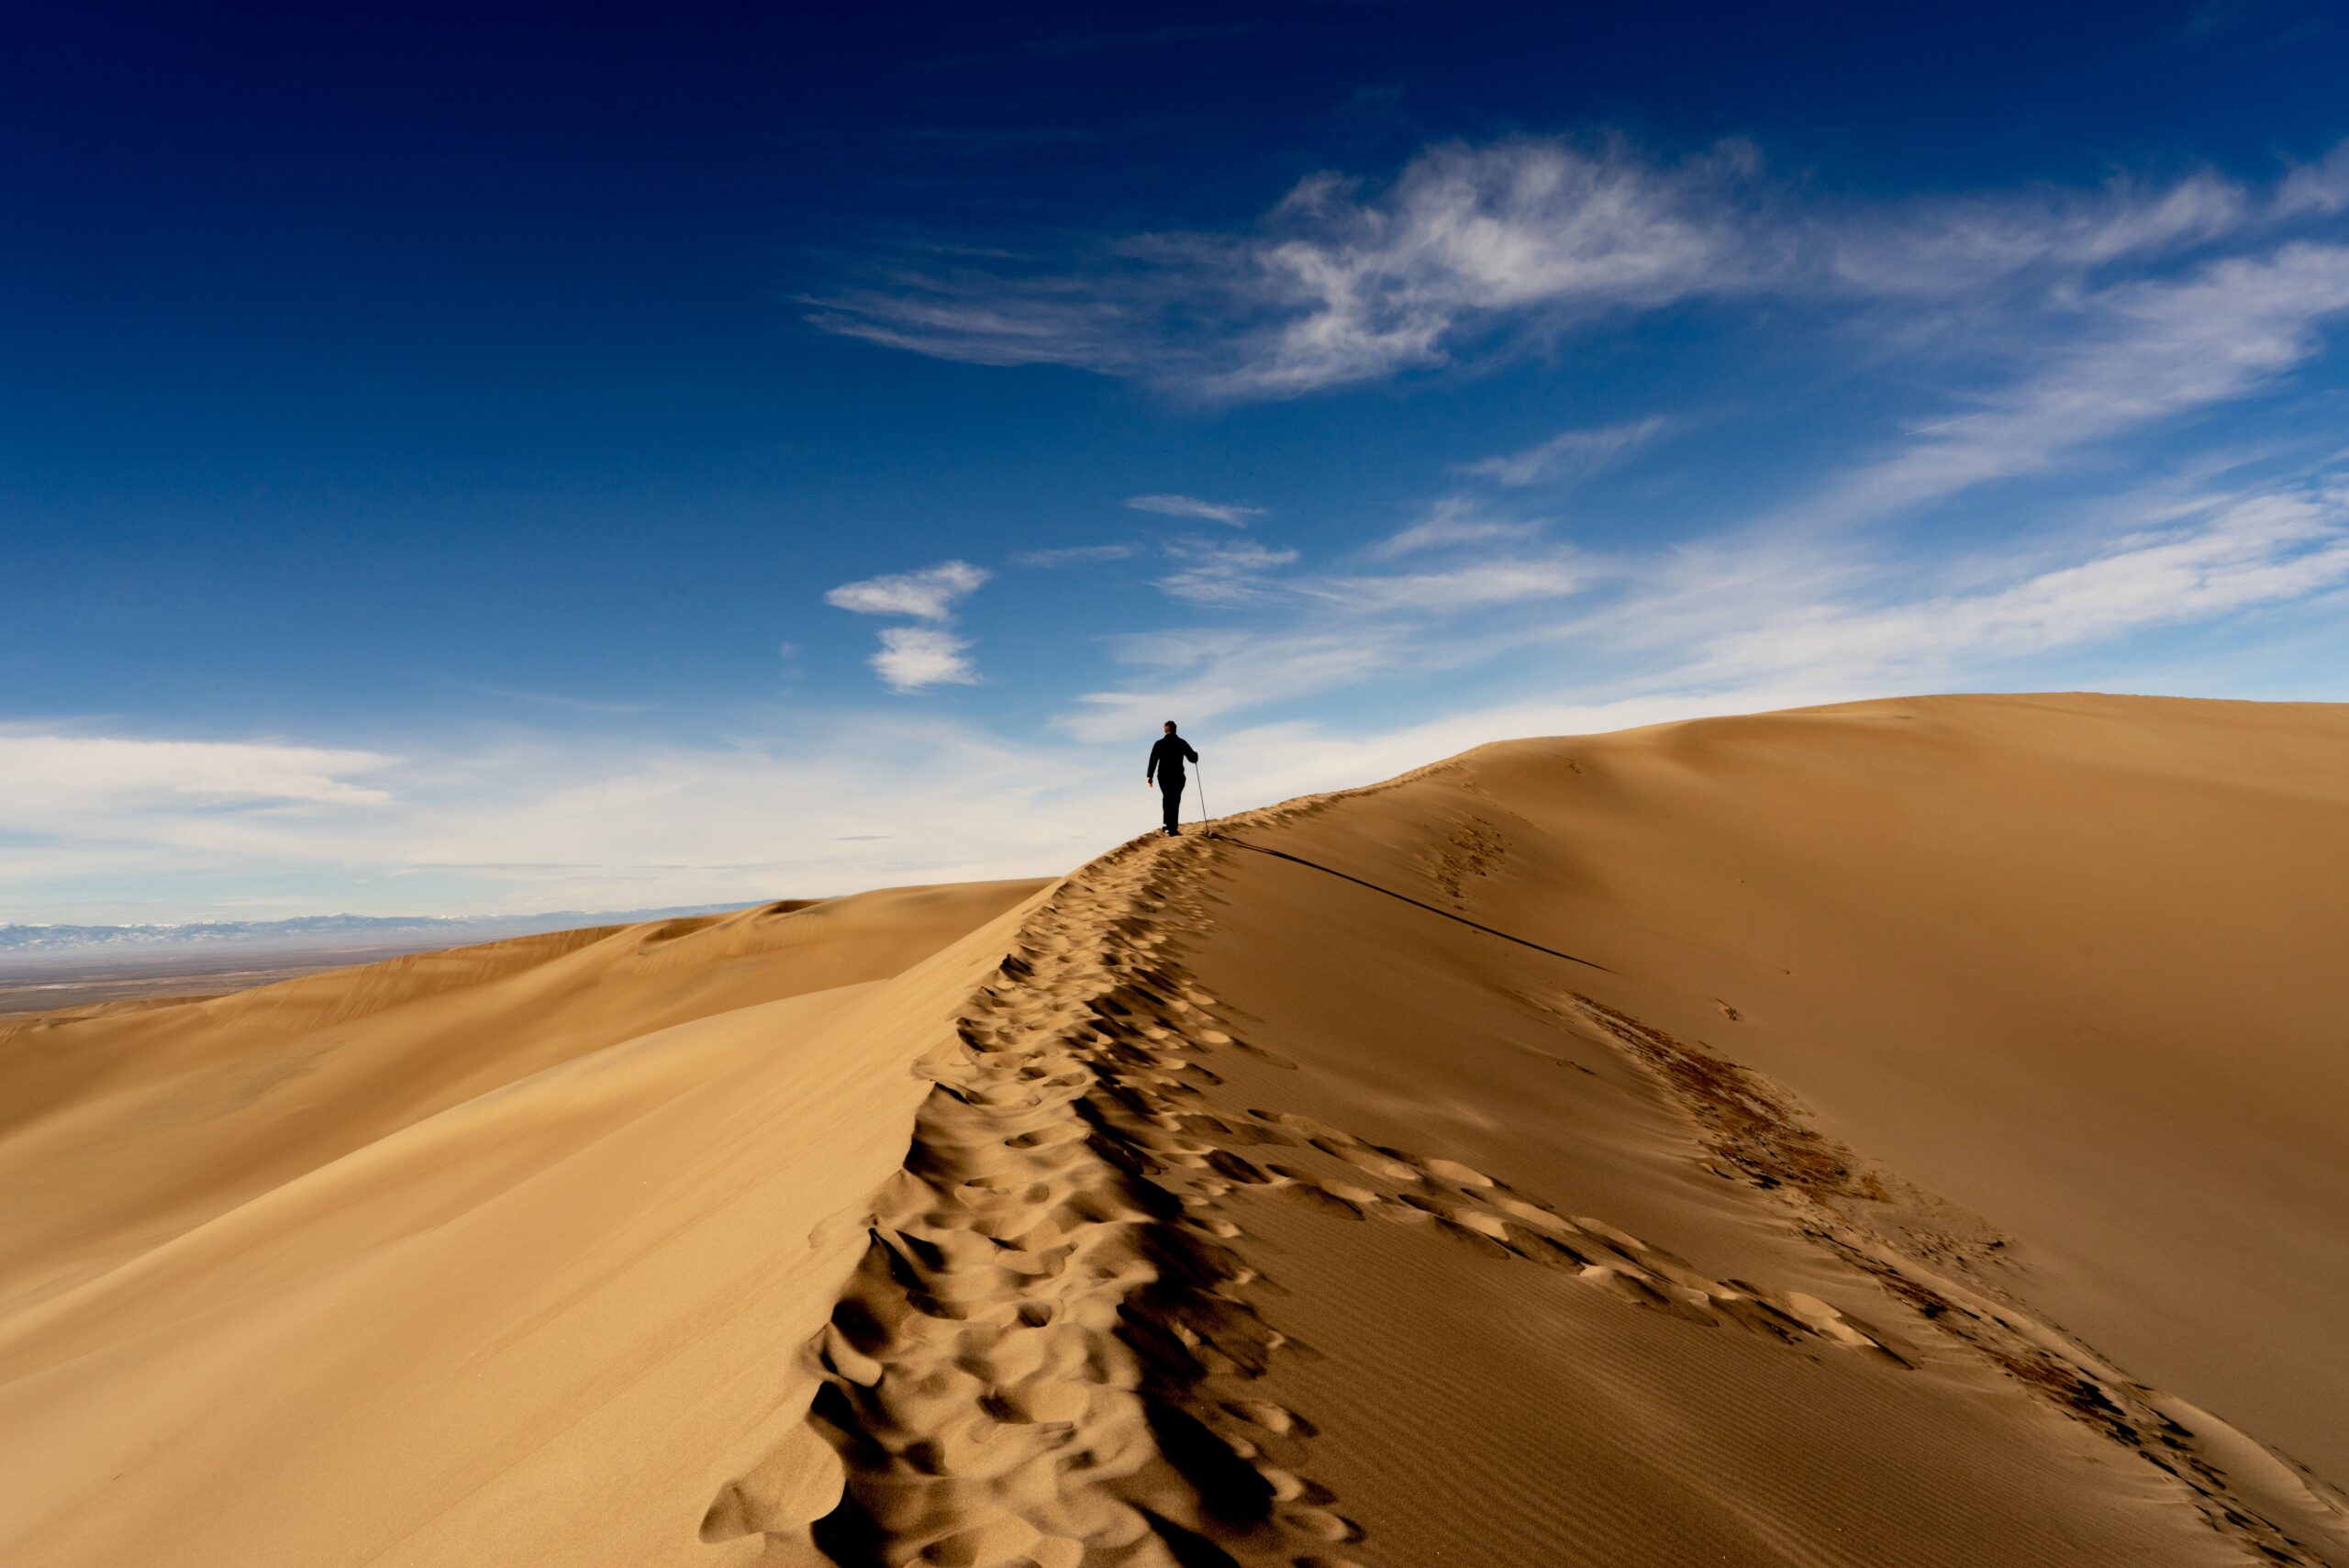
{"x": 1166, "y": 770}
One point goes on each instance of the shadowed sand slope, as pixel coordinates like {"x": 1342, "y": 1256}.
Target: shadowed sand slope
{"x": 135, "y": 1121}
{"x": 1906, "y": 1132}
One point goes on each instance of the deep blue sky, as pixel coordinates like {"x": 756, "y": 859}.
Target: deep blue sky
{"x": 424, "y": 432}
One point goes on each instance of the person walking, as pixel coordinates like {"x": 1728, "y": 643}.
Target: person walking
{"x": 1165, "y": 769}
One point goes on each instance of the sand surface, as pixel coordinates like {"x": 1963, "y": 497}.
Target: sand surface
{"x": 1905, "y": 1132}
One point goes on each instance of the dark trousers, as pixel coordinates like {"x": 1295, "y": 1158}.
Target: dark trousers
{"x": 1170, "y": 793}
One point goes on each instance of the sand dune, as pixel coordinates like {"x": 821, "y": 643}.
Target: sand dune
{"x": 1906, "y": 1132}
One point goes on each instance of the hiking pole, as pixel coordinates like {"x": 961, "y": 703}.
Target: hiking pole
{"x": 1205, "y": 822}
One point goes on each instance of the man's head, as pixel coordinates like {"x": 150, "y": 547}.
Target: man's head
{"x": 1170, "y": 726}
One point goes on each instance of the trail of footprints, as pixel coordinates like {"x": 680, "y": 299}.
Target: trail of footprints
{"x": 1045, "y": 1354}
{"x": 1472, "y": 848}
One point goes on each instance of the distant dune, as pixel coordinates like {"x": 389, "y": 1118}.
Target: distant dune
{"x": 1906, "y": 1132}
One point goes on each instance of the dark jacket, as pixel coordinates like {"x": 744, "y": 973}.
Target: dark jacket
{"x": 1167, "y": 760}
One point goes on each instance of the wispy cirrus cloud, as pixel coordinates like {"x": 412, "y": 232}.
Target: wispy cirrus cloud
{"x": 1470, "y": 250}
{"x": 1452, "y": 521}
{"x": 1470, "y": 519}
{"x": 2136, "y": 354}
{"x": 1569, "y": 454}
{"x": 1948, "y": 245}
{"x": 1469, "y": 585}
{"x": 1210, "y": 573}
{"x": 1194, "y": 677}
{"x": 2223, "y": 556}
{"x": 1073, "y": 555}
{"x": 1231, "y": 512}
{"x": 1310, "y": 633}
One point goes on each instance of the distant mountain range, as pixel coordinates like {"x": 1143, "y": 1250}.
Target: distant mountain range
{"x": 40, "y": 942}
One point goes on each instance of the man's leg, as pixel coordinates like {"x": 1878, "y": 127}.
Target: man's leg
{"x": 1170, "y": 797}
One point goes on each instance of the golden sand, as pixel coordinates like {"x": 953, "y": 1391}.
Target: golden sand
{"x": 1907, "y": 1132}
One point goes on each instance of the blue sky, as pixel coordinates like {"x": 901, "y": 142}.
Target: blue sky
{"x": 596, "y": 458}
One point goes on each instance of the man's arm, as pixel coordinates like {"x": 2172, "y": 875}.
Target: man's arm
{"x": 1150, "y": 773}
{"x": 1188, "y": 752}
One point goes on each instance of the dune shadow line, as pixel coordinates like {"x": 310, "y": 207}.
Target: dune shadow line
{"x": 1342, "y": 876}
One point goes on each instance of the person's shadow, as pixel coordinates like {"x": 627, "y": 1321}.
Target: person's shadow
{"x": 1342, "y": 876}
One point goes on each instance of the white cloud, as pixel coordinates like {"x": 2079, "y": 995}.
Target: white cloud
{"x": 1569, "y": 454}
{"x": 912, "y": 657}
{"x": 1467, "y": 234}
{"x": 46, "y": 773}
{"x": 1192, "y": 506}
{"x": 2257, "y": 550}
{"x": 927, "y": 594}
{"x": 1212, "y": 574}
